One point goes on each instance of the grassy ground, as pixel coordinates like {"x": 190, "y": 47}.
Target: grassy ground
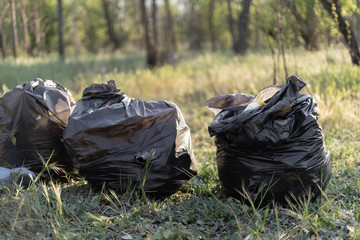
{"x": 199, "y": 210}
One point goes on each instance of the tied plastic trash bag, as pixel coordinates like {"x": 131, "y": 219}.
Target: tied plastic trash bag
{"x": 270, "y": 147}
{"x": 129, "y": 144}
{"x": 18, "y": 176}
{"x": 32, "y": 120}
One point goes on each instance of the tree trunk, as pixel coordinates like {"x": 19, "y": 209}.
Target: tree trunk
{"x": 307, "y": 25}
{"x": 169, "y": 56}
{"x": 243, "y": 23}
{"x": 169, "y": 32}
{"x": 37, "y": 28}
{"x": 357, "y": 20}
{"x": 2, "y": 35}
{"x": 110, "y": 26}
{"x": 154, "y": 21}
{"x": 2, "y": 42}
{"x": 231, "y": 24}
{"x": 150, "y": 48}
{"x": 311, "y": 24}
{"x": 14, "y": 28}
{"x": 211, "y": 25}
{"x": 194, "y": 29}
{"x": 334, "y": 9}
{"x": 61, "y": 30}
{"x": 27, "y": 45}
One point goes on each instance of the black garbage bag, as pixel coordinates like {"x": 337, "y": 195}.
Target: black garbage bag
{"x": 270, "y": 147}
{"x": 129, "y": 144}
{"x": 18, "y": 176}
{"x": 32, "y": 120}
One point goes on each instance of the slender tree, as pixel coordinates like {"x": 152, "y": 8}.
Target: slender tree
{"x": 37, "y": 28}
{"x": 168, "y": 56}
{"x": 110, "y": 25}
{"x": 150, "y": 44}
{"x": 357, "y": 19}
{"x": 61, "y": 29}
{"x": 239, "y": 40}
{"x": 169, "y": 25}
{"x": 211, "y": 24}
{"x": 27, "y": 45}
{"x": 2, "y": 34}
{"x": 15, "y": 40}
{"x": 231, "y": 24}
{"x": 154, "y": 21}
{"x": 333, "y": 7}
{"x": 195, "y": 33}
{"x": 243, "y": 25}
{"x": 307, "y": 24}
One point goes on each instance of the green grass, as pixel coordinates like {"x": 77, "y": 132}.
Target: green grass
{"x": 199, "y": 210}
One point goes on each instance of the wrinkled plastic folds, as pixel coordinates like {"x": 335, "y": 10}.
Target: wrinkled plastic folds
{"x": 18, "y": 176}
{"x": 128, "y": 143}
{"x": 32, "y": 120}
{"x": 272, "y": 152}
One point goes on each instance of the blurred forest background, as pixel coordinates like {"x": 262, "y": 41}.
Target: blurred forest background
{"x": 164, "y": 27}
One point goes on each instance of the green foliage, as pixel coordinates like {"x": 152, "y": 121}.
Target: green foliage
{"x": 85, "y": 28}
{"x": 199, "y": 210}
